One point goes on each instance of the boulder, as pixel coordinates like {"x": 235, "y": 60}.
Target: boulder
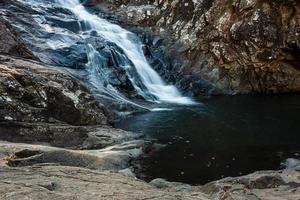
{"x": 260, "y": 185}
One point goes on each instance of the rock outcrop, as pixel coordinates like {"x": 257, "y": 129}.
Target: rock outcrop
{"x": 38, "y": 93}
{"x": 114, "y": 158}
{"x": 43, "y": 172}
{"x": 56, "y": 37}
{"x": 259, "y": 185}
{"x": 66, "y": 183}
{"x": 46, "y": 104}
{"x": 40, "y": 172}
{"x": 12, "y": 45}
{"x": 43, "y": 104}
{"x": 222, "y": 47}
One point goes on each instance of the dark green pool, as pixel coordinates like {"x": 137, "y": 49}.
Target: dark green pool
{"x": 226, "y": 136}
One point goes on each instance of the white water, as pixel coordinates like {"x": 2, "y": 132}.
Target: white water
{"x": 132, "y": 47}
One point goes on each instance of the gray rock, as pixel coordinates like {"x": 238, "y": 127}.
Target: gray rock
{"x": 43, "y": 172}
{"x": 47, "y": 172}
{"x": 10, "y": 44}
{"x": 39, "y": 104}
{"x": 115, "y": 157}
{"x": 171, "y": 186}
{"x": 259, "y": 186}
{"x": 66, "y": 183}
{"x": 127, "y": 172}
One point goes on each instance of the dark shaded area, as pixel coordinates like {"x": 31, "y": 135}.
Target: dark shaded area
{"x": 229, "y": 136}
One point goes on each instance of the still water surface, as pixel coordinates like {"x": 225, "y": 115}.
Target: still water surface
{"x": 226, "y": 136}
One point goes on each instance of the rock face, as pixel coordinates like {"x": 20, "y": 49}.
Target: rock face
{"x": 205, "y": 47}
{"x": 222, "y": 46}
{"x": 43, "y": 104}
{"x": 51, "y": 105}
{"x": 218, "y": 42}
{"x": 40, "y": 104}
{"x": 34, "y": 93}
{"x": 260, "y": 185}
{"x": 10, "y": 44}
{"x": 46, "y": 105}
{"x": 57, "y": 37}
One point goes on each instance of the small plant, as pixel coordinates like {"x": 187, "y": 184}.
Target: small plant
{"x": 10, "y": 158}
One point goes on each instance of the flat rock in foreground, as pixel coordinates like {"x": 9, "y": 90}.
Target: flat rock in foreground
{"x": 63, "y": 182}
{"x": 116, "y": 157}
{"x": 52, "y": 182}
{"x": 42, "y": 172}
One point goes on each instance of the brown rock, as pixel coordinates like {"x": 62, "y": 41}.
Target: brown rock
{"x": 238, "y": 46}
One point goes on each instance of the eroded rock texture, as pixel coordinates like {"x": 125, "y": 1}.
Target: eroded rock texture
{"x": 43, "y": 104}
{"x": 41, "y": 172}
{"x": 10, "y": 44}
{"x": 68, "y": 183}
{"x": 223, "y": 46}
{"x": 39, "y": 94}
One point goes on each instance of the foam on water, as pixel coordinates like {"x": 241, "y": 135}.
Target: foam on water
{"x": 132, "y": 47}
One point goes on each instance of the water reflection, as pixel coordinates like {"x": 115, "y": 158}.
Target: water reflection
{"x": 229, "y": 136}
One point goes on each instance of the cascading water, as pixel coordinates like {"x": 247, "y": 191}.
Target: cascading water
{"x": 145, "y": 81}
{"x": 132, "y": 47}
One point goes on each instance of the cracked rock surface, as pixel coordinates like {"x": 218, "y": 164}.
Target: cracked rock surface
{"x": 220, "y": 46}
{"x": 40, "y": 104}
{"x": 43, "y": 172}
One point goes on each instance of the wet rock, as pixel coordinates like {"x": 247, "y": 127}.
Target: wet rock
{"x": 39, "y": 104}
{"x": 37, "y": 94}
{"x": 31, "y": 92}
{"x": 238, "y": 47}
{"x": 12, "y": 45}
{"x": 56, "y": 37}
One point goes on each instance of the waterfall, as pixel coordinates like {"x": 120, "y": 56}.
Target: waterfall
{"x": 126, "y": 47}
{"x": 132, "y": 47}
